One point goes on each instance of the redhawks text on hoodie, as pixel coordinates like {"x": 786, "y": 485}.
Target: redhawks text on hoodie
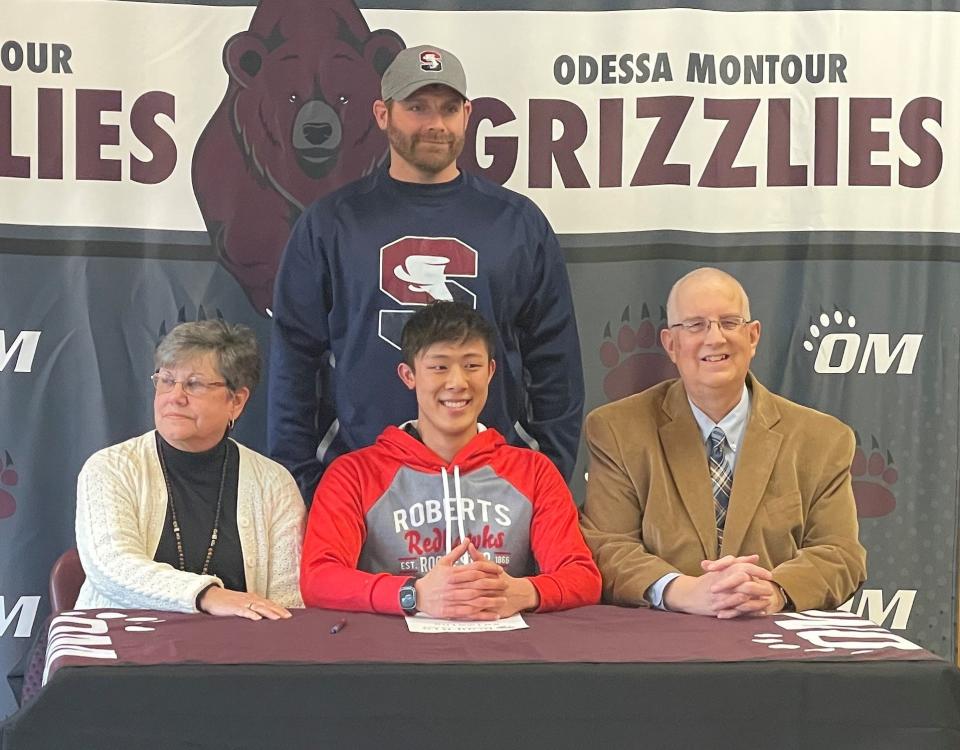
{"x": 389, "y": 512}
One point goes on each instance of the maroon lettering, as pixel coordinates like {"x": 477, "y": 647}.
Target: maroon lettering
{"x": 437, "y": 543}
{"x": 544, "y": 150}
{"x": 92, "y": 134}
{"x": 611, "y": 142}
{"x": 921, "y": 142}
{"x": 653, "y": 168}
{"x": 486, "y": 540}
{"x": 11, "y": 165}
{"x": 720, "y": 171}
{"x": 490, "y": 540}
{"x": 145, "y": 127}
{"x": 826, "y": 125}
{"x": 864, "y": 141}
{"x": 412, "y": 539}
{"x": 50, "y": 134}
{"x": 502, "y": 149}
{"x": 780, "y": 171}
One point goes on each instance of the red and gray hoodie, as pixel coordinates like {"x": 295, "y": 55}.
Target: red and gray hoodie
{"x": 386, "y": 513}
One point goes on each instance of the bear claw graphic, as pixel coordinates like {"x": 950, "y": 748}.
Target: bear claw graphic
{"x": 182, "y": 317}
{"x": 8, "y": 478}
{"x": 634, "y": 358}
{"x": 873, "y": 476}
{"x": 823, "y": 323}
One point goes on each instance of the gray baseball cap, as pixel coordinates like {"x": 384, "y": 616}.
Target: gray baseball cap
{"x": 421, "y": 66}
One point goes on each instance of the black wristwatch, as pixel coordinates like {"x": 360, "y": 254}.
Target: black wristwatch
{"x": 787, "y": 601}
{"x": 408, "y": 597}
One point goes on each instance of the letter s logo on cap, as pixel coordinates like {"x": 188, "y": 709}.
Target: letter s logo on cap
{"x": 431, "y": 61}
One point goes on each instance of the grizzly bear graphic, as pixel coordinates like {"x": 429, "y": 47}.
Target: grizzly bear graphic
{"x": 295, "y": 123}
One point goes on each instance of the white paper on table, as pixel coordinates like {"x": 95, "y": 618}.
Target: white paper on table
{"x": 421, "y": 623}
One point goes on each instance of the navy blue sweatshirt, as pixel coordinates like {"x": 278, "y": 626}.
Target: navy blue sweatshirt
{"x": 363, "y": 259}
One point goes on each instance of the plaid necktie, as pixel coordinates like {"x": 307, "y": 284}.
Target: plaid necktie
{"x": 721, "y": 476}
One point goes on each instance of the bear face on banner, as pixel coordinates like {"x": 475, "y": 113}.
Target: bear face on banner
{"x": 296, "y": 123}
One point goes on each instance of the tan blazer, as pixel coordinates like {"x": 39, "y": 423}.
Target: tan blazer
{"x": 649, "y": 507}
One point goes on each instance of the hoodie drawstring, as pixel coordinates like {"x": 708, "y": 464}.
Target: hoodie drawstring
{"x": 456, "y": 485}
{"x": 446, "y": 505}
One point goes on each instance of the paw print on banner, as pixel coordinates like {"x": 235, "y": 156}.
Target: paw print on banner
{"x": 8, "y": 478}
{"x": 825, "y": 322}
{"x": 182, "y": 318}
{"x": 635, "y": 360}
{"x": 872, "y": 478}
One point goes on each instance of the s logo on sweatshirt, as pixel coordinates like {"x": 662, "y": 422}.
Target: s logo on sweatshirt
{"x": 415, "y": 271}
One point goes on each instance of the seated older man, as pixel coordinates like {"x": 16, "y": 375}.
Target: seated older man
{"x": 711, "y": 495}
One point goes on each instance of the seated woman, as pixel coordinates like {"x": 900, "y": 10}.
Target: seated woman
{"x": 184, "y": 518}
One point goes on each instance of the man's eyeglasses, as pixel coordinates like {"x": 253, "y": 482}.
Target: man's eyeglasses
{"x": 727, "y": 324}
{"x": 192, "y": 386}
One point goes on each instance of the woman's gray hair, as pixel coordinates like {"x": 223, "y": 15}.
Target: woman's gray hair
{"x": 234, "y": 349}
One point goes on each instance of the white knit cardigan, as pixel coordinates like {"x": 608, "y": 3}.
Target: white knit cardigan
{"x": 121, "y": 509}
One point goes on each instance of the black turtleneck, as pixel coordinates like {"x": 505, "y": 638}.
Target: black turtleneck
{"x": 195, "y": 484}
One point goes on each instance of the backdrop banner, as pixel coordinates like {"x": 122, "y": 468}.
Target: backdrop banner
{"x": 153, "y": 156}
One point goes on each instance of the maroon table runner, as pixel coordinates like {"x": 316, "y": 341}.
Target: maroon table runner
{"x": 599, "y": 634}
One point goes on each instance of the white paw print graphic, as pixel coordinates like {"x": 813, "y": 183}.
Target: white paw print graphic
{"x": 81, "y": 635}
{"x": 825, "y": 322}
{"x": 773, "y": 640}
{"x": 826, "y": 632}
{"x": 135, "y": 628}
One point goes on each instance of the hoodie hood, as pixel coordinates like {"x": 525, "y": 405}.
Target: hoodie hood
{"x": 404, "y": 448}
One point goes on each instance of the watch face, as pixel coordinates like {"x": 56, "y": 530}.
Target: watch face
{"x": 408, "y": 597}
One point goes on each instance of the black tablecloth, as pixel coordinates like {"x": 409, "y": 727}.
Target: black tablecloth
{"x": 429, "y": 697}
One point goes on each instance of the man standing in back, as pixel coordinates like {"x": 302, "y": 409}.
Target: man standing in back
{"x": 363, "y": 259}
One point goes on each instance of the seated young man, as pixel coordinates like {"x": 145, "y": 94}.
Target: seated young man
{"x": 440, "y": 515}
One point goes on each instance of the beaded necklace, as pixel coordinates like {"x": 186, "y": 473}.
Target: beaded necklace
{"x": 173, "y": 510}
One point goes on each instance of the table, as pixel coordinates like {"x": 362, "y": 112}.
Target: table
{"x": 597, "y": 677}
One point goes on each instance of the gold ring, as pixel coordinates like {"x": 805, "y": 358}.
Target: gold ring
{"x": 250, "y": 605}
